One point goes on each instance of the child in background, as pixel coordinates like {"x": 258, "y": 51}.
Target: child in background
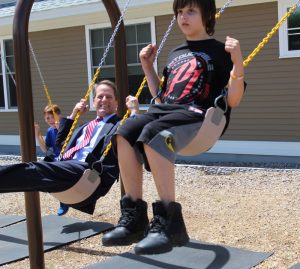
{"x": 48, "y": 145}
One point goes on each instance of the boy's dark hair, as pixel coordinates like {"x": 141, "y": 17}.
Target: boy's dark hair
{"x": 108, "y": 83}
{"x": 208, "y": 11}
{"x": 48, "y": 110}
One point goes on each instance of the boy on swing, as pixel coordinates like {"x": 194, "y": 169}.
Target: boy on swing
{"x": 196, "y": 73}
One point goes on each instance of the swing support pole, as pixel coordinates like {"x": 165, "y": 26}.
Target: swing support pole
{"x": 26, "y": 123}
{"x": 26, "y": 115}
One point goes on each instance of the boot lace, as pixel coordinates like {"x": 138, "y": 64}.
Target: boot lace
{"x": 127, "y": 215}
{"x": 157, "y": 225}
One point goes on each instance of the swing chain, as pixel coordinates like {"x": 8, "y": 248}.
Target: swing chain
{"x": 114, "y": 34}
{"x": 165, "y": 37}
{"x": 36, "y": 63}
{"x": 227, "y": 4}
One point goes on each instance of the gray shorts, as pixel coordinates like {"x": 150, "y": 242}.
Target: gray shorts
{"x": 166, "y": 133}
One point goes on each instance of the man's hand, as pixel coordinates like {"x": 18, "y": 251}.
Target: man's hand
{"x": 80, "y": 107}
{"x": 132, "y": 104}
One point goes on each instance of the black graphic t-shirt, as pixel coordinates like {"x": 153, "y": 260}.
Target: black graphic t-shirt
{"x": 196, "y": 73}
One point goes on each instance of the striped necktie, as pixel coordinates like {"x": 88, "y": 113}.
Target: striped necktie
{"x": 86, "y": 140}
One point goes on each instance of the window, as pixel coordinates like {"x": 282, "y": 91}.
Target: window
{"x": 289, "y": 33}
{"x": 294, "y": 31}
{"x": 7, "y": 3}
{"x": 138, "y": 35}
{"x": 11, "y": 3}
{"x": 8, "y": 97}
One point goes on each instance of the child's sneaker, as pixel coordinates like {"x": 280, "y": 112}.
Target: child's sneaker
{"x": 63, "y": 209}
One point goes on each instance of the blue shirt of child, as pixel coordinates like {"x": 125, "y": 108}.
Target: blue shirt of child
{"x": 50, "y": 140}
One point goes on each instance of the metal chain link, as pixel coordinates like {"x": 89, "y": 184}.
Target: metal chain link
{"x": 36, "y": 63}
{"x": 114, "y": 34}
{"x": 227, "y": 4}
{"x": 164, "y": 39}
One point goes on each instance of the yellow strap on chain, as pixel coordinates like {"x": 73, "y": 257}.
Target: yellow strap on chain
{"x": 269, "y": 36}
{"x": 50, "y": 103}
{"x": 52, "y": 108}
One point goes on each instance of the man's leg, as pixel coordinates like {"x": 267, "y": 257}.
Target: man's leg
{"x": 40, "y": 176}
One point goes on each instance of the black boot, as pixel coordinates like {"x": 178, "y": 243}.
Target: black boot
{"x": 131, "y": 226}
{"x": 167, "y": 229}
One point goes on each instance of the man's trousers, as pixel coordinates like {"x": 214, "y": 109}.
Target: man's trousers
{"x": 41, "y": 176}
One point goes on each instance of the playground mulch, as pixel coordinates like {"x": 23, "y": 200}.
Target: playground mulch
{"x": 254, "y": 209}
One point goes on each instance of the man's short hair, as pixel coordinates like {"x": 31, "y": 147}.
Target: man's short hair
{"x": 108, "y": 83}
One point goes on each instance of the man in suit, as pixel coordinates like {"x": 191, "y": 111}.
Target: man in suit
{"x": 84, "y": 149}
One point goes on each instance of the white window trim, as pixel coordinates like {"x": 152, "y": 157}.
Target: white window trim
{"x": 283, "y": 5}
{"x": 150, "y": 20}
{"x": 6, "y": 108}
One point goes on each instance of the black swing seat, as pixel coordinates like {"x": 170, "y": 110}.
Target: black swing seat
{"x": 81, "y": 190}
{"x": 209, "y": 132}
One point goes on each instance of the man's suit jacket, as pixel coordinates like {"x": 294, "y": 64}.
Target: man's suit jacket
{"x": 110, "y": 163}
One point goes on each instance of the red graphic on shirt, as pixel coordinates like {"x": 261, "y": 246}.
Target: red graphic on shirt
{"x": 187, "y": 80}
{"x": 185, "y": 74}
